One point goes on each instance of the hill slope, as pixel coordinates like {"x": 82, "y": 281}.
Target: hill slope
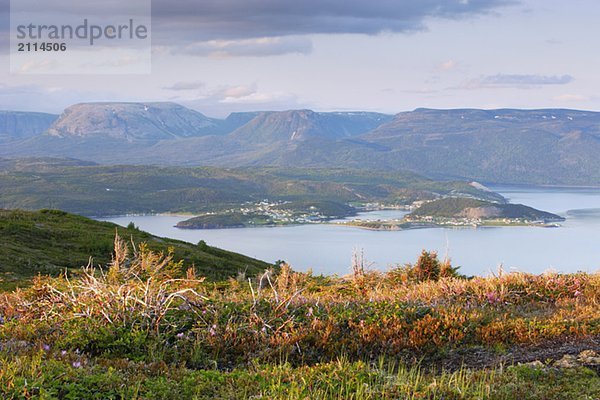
{"x": 48, "y": 241}
{"x": 513, "y": 146}
{"x": 117, "y": 190}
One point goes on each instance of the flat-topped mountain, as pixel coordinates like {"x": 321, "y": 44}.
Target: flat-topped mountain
{"x": 18, "y": 125}
{"x": 462, "y": 119}
{"x": 269, "y": 127}
{"x": 133, "y": 121}
{"x": 431, "y": 125}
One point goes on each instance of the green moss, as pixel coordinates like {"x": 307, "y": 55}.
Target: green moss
{"x": 67, "y": 377}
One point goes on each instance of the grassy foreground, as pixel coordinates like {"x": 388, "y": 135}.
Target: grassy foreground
{"x": 142, "y": 329}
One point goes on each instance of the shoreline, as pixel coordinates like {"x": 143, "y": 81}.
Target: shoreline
{"x": 403, "y": 226}
{"x": 424, "y": 225}
{"x": 494, "y": 186}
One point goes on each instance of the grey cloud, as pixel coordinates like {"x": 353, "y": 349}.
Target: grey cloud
{"x": 82, "y": 9}
{"x": 106, "y": 11}
{"x": 231, "y": 19}
{"x": 529, "y": 80}
{"x": 191, "y": 23}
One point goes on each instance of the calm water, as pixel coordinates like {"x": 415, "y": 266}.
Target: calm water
{"x": 328, "y": 249}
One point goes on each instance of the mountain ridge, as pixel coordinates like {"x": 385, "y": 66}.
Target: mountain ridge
{"x": 513, "y": 146}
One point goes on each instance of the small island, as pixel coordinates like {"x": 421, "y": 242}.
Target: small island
{"x": 466, "y": 212}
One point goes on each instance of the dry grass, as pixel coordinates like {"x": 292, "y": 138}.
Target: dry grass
{"x": 144, "y": 305}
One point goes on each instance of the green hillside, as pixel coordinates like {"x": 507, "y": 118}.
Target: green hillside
{"x": 47, "y": 241}
{"x": 116, "y": 190}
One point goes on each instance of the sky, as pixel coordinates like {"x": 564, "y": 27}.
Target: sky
{"x": 221, "y": 56}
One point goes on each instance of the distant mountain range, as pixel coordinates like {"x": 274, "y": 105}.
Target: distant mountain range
{"x": 16, "y": 125}
{"x": 550, "y": 146}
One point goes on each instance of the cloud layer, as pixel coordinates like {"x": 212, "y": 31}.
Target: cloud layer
{"x": 243, "y": 27}
{"x": 529, "y": 80}
{"x": 256, "y": 47}
{"x": 222, "y": 27}
{"x": 234, "y": 19}
{"x": 515, "y": 81}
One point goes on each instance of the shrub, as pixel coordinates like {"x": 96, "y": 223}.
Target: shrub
{"x": 427, "y": 268}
